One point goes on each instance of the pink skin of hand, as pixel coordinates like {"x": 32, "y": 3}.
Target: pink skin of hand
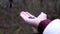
{"x": 33, "y": 22}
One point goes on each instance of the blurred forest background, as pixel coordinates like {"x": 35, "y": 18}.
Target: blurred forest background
{"x": 11, "y": 22}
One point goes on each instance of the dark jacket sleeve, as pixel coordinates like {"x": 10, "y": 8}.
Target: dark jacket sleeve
{"x": 42, "y": 25}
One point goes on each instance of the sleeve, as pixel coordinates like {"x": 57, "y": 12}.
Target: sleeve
{"x": 42, "y": 25}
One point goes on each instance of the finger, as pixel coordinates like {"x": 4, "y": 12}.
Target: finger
{"x": 42, "y": 15}
{"x": 30, "y": 14}
{"x": 23, "y": 15}
{"x": 26, "y": 14}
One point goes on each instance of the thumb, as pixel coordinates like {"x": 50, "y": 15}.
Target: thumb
{"x": 42, "y": 16}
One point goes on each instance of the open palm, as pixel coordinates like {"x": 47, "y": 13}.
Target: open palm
{"x": 31, "y": 19}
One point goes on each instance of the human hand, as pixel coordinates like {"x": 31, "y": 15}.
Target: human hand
{"x": 31, "y": 19}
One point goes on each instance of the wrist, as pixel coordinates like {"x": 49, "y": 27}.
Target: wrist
{"x": 42, "y": 25}
{"x": 38, "y": 21}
